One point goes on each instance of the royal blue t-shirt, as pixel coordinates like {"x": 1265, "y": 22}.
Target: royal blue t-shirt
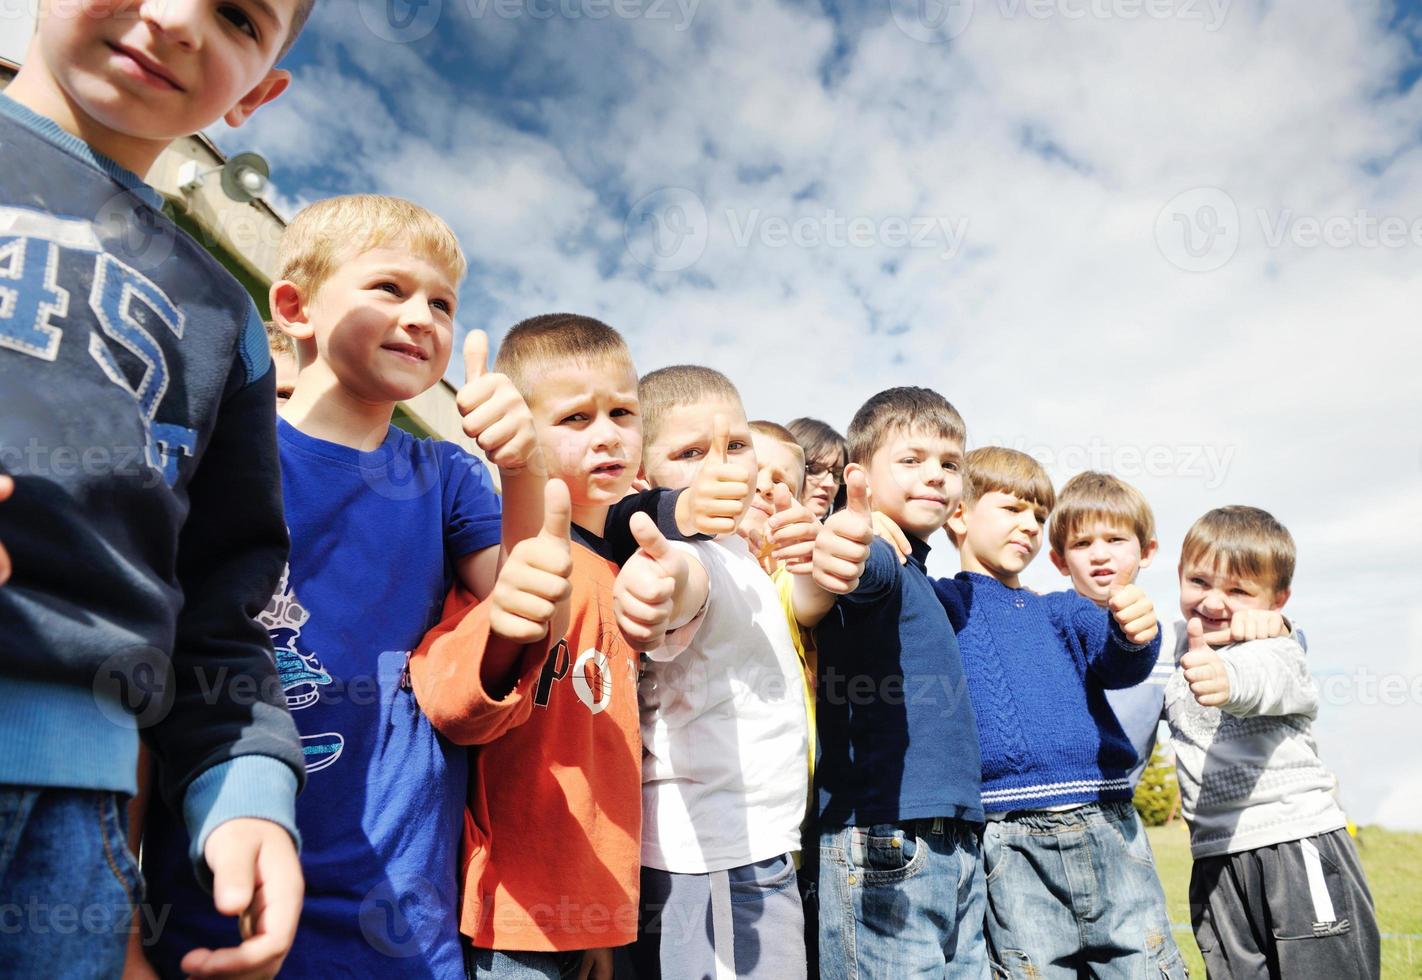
{"x": 373, "y": 539}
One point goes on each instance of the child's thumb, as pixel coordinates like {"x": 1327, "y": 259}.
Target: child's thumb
{"x": 720, "y": 438}
{"x": 557, "y": 510}
{"x": 649, "y": 536}
{"x": 782, "y": 499}
{"x": 476, "y": 355}
{"x": 856, "y": 488}
{"x": 1195, "y": 635}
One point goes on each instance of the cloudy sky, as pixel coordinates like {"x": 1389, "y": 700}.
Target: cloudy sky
{"x": 1176, "y": 239}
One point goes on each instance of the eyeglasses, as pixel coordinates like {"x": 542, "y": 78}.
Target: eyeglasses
{"x": 817, "y": 469}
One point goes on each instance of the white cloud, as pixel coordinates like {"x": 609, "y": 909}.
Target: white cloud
{"x": 1058, "y": 323}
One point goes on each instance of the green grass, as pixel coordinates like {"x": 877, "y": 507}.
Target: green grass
{"x": 1392, "y": 861}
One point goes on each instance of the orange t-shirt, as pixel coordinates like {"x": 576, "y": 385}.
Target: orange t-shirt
{"x": 554, "y": 821}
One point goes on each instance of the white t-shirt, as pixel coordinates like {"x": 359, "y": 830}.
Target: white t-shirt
{"x": 724, "y": 734}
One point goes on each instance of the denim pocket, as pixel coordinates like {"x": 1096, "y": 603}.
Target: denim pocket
{"x": 886, "y": 853}
{"x": 753, "y": 882}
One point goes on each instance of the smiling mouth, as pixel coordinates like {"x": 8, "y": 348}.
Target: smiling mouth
{"x": 609, "y": 469}
{"x": 150, "y": 69}
{"x": 406, "y": 350}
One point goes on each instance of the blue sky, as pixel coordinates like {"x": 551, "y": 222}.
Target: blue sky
{"x": 1173, "y": 238}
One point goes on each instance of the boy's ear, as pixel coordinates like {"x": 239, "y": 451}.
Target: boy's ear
{"x": 1060, "y": 563}
{"x": 957, "y": 527}
{"x": 1148, "y": 552}
{"x": 267, "y": 89}
{"x": 1280, "y": 598}
{"x": 289, "y": 310}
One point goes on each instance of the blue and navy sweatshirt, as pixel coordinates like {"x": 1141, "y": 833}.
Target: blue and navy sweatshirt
{"x": 896, "y": 731}
{"x": 146, "y": 528}
{"x": 1038, "y": 668}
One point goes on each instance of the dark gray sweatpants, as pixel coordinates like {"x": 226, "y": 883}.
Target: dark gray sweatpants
{"x": 1292, "y": 911}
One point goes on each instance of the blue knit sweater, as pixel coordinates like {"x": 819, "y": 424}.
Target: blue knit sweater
{"x": 1038, "y": 667}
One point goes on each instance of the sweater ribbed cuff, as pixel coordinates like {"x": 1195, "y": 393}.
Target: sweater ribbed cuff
{"x": 249, "y": 786}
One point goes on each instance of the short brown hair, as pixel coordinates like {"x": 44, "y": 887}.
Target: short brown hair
{"x": 680, "y": 384}
{"x": 551, "y": 338}
{"x": 782, "y": 435}
{"x": 997, "y": 468}
{"x": 1242, "y": 541}
{"x": 902, "y": 409}
{"x": 1094, "y": 496}
{"x": 279, "y": 342}
{"x": 293, "y": 30}
{"x": 323, "y": 233}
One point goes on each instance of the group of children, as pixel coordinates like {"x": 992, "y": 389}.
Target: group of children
{"x": 655, "y": 706}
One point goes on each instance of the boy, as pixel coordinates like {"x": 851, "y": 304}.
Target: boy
{"x": 145, "y": 526}
{"x": 901, "y": 885}
{"x": 367, "y": 288}
{"x": 1071, "y": 884}
{"x": 724, "y": 776}
{"x": 1102, "y": 533}
{"x": 553, "y": 827}
{"x": 1277, "y": 889}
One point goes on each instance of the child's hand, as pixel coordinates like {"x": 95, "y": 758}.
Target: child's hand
{"x": 793, "y": 530}
{"x": 7, "y": 487}
{"x": 597, "y": 965}
{"x": 530, "y": 596}
{"x": 256, "y": 877}
{"x": 718, "y": 495}
{"x": 1256, "y": 624}
{"x": 1135, "y": 613}
{"x": 753, "y": 528}
{"x": 884, "y": 527}
{"x": 842, "y": 546}
{"x": 644, "y": 594}
{"x": 1209, "y": 680}
{"x": 495, "y": 414}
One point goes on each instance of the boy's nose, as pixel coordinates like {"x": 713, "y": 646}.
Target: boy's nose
{"x": 174, "y": 21}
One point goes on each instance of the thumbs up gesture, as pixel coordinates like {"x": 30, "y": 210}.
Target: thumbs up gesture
{"x": 1204, "y": 669}
{"x": 793, "y": 530}
{"x": 1133, "y": 610}
{"x": 644, "y": 595}
{"x": 494, "y": 413}
{"x": 718, "y": 496}
{"x": 529, "y": 600}
{"x": 7, "y": 487}
{"x": 842, "y": 545}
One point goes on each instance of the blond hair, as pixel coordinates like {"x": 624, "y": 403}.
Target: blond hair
{"x": 327, "y": 232}
{"x": 782, "y": 435}
{"x": 680, "y": 384}
{"x": 279, "y": 342}
{"x": 1093, "y": 496}
{"x": 997, "y": 468}
{"x": 917, "y": 410}
{"x": 1244, "y": 542}
{"x": 534, "y": 344}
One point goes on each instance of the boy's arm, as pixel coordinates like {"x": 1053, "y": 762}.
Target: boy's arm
{"x": 847, "y": 560}
{"x": 472, "y": 673}
{"x": 659, "y": 589}
{"x": 1259, "y": 677}
{"x": 226, "y": 751}
{"x": 497, "y": 418}
{"x": 1122, "y": 645}
{"x": 7, "y": 487}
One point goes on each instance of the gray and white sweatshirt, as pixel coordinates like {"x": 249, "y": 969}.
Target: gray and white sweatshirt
{"x": 1250, "y": 775}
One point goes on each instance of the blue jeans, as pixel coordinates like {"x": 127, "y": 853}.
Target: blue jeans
{"x": 1075, "y": 893}
{"x": 68, "y": 882}
{"x": 515, "y": 965}
{"x": 902, "y": 901}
